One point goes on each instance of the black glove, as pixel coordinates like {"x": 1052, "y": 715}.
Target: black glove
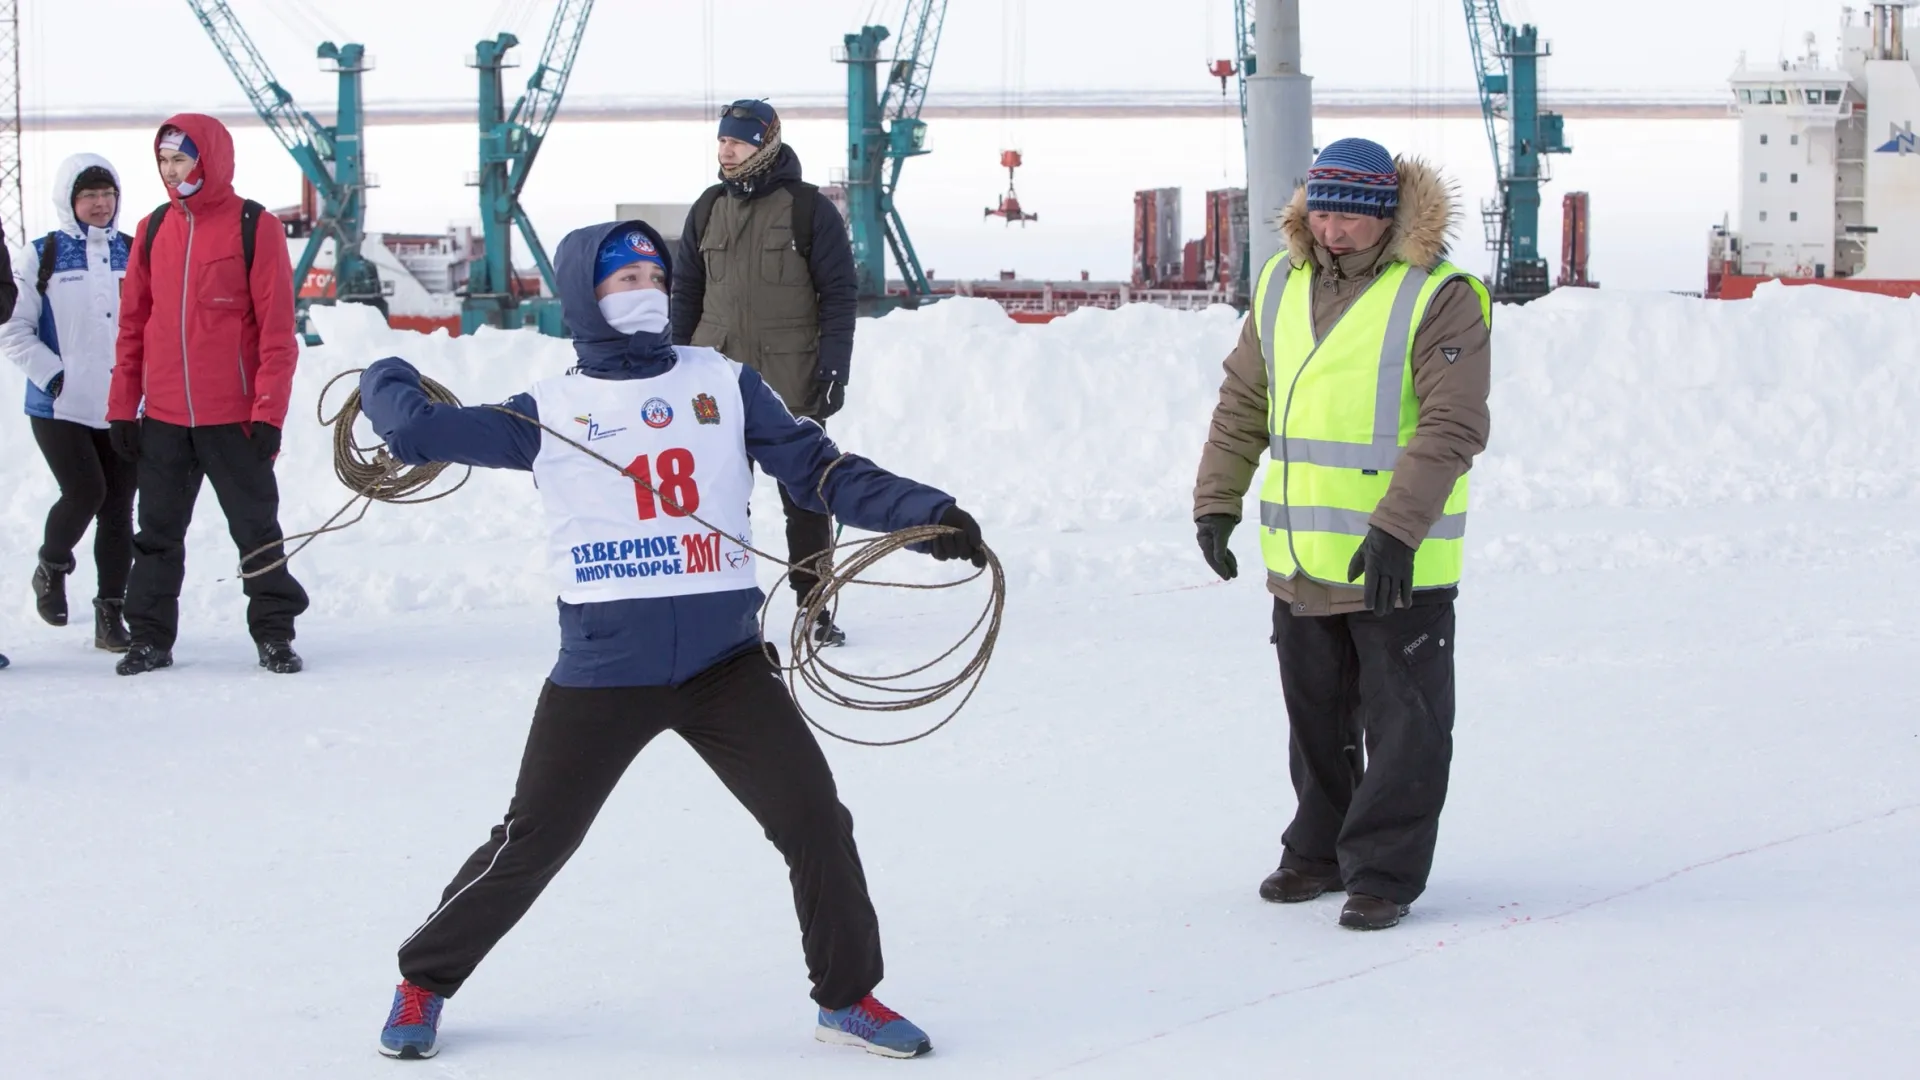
{"x": 265, "y": 439}
{"x": 1214, "y": 531}
{"x": 56, "y": 384}
{"x": 1388, "y": 565}
{"x": 965, "y": 544}
{"x": 829, "y": 397}
{"x": 124, "y": 437}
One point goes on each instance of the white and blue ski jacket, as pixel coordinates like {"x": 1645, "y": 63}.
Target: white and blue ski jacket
{"x": 72, "y": 330}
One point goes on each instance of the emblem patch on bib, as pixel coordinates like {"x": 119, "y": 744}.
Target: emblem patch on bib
{"x": 706, "y": 410}
{"x": 657, "y": 413}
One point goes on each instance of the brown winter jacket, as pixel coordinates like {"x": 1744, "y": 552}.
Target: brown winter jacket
{"x": 1453, "y": 420}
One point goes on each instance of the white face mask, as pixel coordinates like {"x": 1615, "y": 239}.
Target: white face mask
{"x": 636, "y": 311}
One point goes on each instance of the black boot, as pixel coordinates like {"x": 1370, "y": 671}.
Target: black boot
{"x": 825, "y": 634}
{"x": 142, "y": 658}
{"x": 109, "y": 628}
{"x": 279, "y": 657}
{"x": 1363, "y": 912}
{"x": 50, "y": 592}
{"x": 1289, "y": 886}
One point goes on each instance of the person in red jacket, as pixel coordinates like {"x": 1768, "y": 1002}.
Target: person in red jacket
{"x": 202, "y": 373}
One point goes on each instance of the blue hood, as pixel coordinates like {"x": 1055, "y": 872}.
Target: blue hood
{"x": 604, "y": 351}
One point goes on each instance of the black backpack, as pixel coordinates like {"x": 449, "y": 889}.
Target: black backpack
{"x": 805, "y": 197}
{"x": 250, "y": 212}
{"x": 47, "y": 256}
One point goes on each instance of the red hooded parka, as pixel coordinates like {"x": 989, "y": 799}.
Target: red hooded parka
{"x": 202, "y": 341}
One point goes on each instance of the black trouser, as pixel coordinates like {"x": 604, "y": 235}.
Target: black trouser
{"x": 1387, "y": 683}
{"x": 95, "y": 485}
{"x": 173, "y": 460}
{"x": 808, "y": 534}
{"x": 737, "y": 716}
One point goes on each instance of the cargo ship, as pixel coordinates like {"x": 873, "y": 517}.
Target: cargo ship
{"x": 1829, "y": 167}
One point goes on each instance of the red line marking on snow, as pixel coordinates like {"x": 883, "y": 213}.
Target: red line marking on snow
{"x": 1507, "y": 925}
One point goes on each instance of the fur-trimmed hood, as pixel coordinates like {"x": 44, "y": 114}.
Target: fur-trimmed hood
{"x": 1429, "y": 211}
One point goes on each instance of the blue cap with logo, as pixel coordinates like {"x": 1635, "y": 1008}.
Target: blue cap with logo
{"x": 623, "y": 247}
{"x": 747, "y": 120}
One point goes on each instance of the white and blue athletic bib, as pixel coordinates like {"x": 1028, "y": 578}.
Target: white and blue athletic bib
{"x": 684, "y": 431}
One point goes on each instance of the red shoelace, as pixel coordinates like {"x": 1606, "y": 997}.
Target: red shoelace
{"x": 413, "y": 1005}
{"x": 872, "y": 1007}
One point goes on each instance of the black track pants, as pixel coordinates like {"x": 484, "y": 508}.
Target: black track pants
{"x": 1386, "y": 683}
{"x": 739, "y": 717}
{"x": 173, "y": 461}
{"x": 95, "y": 486}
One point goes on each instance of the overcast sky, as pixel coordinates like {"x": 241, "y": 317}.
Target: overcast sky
{"x": 153, "y": 52}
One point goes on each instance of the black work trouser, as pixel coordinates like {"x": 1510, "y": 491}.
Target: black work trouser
{"x": 96, "y": 486}
{"x": 739, "y": 717}
{"x": 1387, "y": 684}
{"x": 173, "y": 461}
{"x": 808, "y": 534}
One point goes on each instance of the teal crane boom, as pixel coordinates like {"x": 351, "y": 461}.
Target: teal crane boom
{"x": 884, "y": 129}
{"x": 510, "y": 139}
{"x": 1506, "y": 60}
{"x": 1246, "y": 63}
{"x": 330, "y": 157}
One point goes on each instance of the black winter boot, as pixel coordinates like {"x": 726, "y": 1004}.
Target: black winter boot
{"x": 109, "y": 628}
{"x": 1363, "y": 912}
{"x": 1289, "y": 886}
{"x": 142, "y": 658}
{"x": 825, "y": 634}
{"x": 50, "y": 592}
{"x": 279, "y": 657}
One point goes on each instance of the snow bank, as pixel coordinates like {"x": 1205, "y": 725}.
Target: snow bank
{"x": 1094, "y": 422}
{"x": 1600, "y": 399}
{"x": 1621, "y": 400}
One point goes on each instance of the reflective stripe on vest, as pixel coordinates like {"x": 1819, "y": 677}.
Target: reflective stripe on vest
{"x": 1341, "y": 407}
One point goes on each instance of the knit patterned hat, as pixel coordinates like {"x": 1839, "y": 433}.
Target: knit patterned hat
{"x": 1354, "y": 176}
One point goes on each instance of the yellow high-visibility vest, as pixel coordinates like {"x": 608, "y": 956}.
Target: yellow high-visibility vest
{"x": 1339, "y": 411}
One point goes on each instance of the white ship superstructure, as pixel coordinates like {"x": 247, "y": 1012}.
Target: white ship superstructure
{"x": 1829, "y": 166}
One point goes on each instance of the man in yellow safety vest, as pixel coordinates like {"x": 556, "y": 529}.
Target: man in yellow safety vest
{"x": 1362, "y": 375}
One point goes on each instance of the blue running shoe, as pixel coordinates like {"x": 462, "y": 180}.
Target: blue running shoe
{"x": 3, "y": 661}
{"x": 413, "y": 1023}
{"x": 869, "y": 1024}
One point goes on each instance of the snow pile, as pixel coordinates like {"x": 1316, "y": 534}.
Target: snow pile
{"x": 1094, "y": 423}
{"x": 1605, "y": 399}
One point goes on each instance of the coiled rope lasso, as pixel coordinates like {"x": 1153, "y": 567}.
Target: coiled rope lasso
{"x": 374, "y": 475}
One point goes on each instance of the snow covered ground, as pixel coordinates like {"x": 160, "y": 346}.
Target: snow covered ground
{"x": 1679, "y": 841}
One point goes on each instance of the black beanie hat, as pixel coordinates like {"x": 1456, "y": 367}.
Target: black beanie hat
{"x": 92, "y": 178}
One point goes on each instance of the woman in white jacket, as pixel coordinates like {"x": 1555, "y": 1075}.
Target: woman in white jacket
{"x": 61, "y": 335}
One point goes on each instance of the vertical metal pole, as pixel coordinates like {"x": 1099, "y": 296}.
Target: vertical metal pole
{"x": 349, "y": 176}
{"x": 1524, "y": 153}
{"x": 354, "y": 277}
{"x": 13, "y": 207}
{"x": 866, "y": 155}
{"x": 1279, "y": 125}
{"x": 490, "y": 298}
